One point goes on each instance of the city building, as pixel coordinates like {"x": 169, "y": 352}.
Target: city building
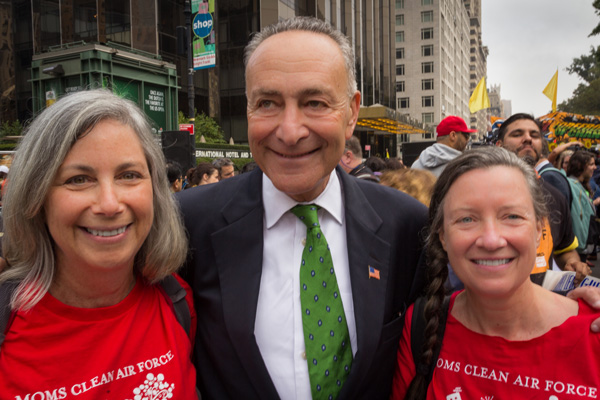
{"x": 496, "y": 104}
{"x": 432, "y": 47}
{"x": 82, "y": 43}
{"x": 477, "y": 64}
{"x": 507, "y": 106}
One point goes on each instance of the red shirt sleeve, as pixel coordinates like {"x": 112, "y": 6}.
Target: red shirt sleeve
{"x": 405, "y": 366}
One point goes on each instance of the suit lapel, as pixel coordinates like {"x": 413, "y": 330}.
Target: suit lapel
{"x": 365, "y": 249}
{"x": 239, "y": 261}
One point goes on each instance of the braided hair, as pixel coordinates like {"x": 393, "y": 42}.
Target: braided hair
{"x": 437, "y": 258}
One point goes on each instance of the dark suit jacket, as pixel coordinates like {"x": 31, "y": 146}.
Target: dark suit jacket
{"x": 225, "y": 222}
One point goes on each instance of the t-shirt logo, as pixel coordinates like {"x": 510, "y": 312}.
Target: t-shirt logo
{"x": 455, "y": 395}
{"x": 154, "y": 388}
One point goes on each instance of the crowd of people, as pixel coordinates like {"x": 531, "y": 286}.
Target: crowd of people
{"x": 312, "y": 274}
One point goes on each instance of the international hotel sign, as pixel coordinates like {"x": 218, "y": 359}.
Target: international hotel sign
{"x": 218, "y": 153}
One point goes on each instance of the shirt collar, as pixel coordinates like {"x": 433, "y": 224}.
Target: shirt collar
{"x": 541, "y": 164}
{"x": 277, "y": 203}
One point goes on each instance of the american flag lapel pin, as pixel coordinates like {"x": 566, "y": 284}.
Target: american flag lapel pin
{"x": 373, "y": 273}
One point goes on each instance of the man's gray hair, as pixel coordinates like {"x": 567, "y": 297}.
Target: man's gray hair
{"x": 27, "y": 244}
{"x": 353, "y": 144}
{"x": 308, "y": 24}
{"x": 219, "y": 163}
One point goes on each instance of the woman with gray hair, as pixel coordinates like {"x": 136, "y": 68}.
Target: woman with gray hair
{"x": 503, "y": 336}
{"x": 91, "y": 236}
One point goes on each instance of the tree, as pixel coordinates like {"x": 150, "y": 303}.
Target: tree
{"x": 11, "y": 128}
{"x": 205, "y": 126}
{"x": 586, "y": 97}
{"x": 596, "y": 5}
{"x": 585, "y": 100}
{"x": 587, "y": 66}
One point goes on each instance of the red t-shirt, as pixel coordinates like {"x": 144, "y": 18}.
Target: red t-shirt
{"x": 135, "y": 349}
{"x": 562, "y": 364}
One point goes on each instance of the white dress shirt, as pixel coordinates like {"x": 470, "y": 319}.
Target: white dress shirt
{"x": 278, "y": 328}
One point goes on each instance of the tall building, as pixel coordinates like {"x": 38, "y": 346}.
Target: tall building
{"x": 507, "y": 106}
{"x": 496, "y": 103}
{"x": 432, "y": 59}
{"x": 477, "y": 63}
{"x": 42, "y": 29}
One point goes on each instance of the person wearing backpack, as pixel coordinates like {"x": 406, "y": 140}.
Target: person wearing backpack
{"x": 90, "y": 305}
{"x": 583, "y": 213}
{"x": 503, "y": 336}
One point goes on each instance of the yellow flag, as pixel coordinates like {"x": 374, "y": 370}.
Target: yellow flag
{"x": 479, "y": 99}
{"x": 550, "y": 90}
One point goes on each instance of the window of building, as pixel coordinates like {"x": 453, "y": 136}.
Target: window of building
{"x": 427, "y": 50}
{"x": 399, "y": 4}
{"x": 118, "y": 27}
{"x": 426, "y": 2}
{"x": 400, "y": 53}
{"x": 427, "y": 118}
{"x": 400, "y": 37}
{"x": 427, "y": 101}
{"x": 400, "y": 20}
{"x": 426, "y": 16}
{"x": 400, "y": 86}
{"x": 48, "y": 13}
{"x": 427, "y": 67}
{"x": 403, "y": 102}
{"x": 400, "y": 69}
{"x": 85, "y": 26}
{"x": 427, "y": 84}
{"x": 426, "y": 33}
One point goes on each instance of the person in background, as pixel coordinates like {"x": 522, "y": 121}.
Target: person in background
{"x": 393, "y": 164}
{"x": 187, "y": 179}
{"x": 415, "y": 182}
{"x": 249, "y": 166}
{"x": 581, "y": 167}
{"x": 376, "y": 164}
{"x": 580, "y": 170}
{"x": 486, "y": 219}
{"x": 225, "y": 167}
{"x": 174, "y": 177}
{"x": 560, "y": 155}
{"x": 91, "y": 236}
{"x": 204, "y": 174}
{"x": 3, "y": 179}
{"x": 351, "y": 161}
{"x": 452, "y": 139}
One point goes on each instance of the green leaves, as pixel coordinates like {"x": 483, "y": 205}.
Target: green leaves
{"x": 205, "y": 126}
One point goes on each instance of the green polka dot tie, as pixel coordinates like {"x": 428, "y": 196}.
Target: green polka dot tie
{"x": 326, "y": 337}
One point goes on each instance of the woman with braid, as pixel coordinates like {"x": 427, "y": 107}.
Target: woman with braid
{"x": 505, "y": 337}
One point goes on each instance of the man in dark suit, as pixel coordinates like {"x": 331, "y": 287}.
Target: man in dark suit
{"x": 246, "y": 246}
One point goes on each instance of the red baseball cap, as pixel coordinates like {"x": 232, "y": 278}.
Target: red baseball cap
{"x": 453, "y": 124}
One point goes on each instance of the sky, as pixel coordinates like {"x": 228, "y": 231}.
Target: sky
{"x": 528, "y": 40}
